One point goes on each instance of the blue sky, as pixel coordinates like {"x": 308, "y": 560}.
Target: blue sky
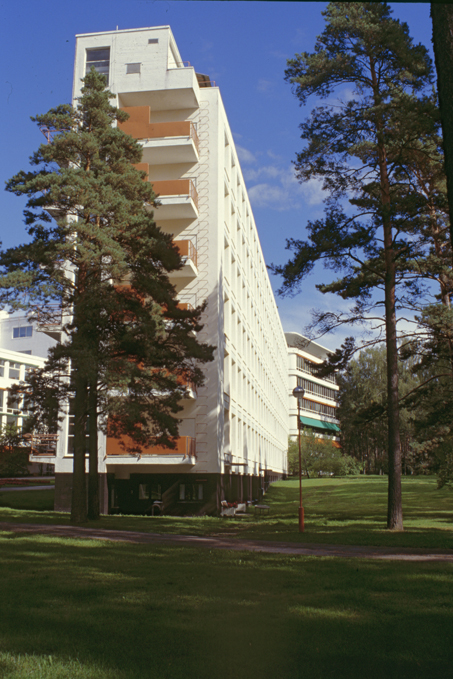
{"x": 243, "y": 46}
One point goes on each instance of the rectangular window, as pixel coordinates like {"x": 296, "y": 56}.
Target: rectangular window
{"x": 143, "y": 491}
{"x": 2, "y": 368}
{"x": 11, "y": 422}
{"x": 310, "y": 367}
{"x": 318, "y": 407}
{"x": 14, "y": 371}
{"x": 1, "y": 399}
{"x": 99, "y": 59}
{"x": 317, "y": 389}
{"x": 29, "y": 369}
{"x": 190, "y": 492}
{"x": 13, "y": 405}
{"x": 150, "y": 491}
{"x": 23, "y": 331}
{"x": 132, "y": 68}
{"x": 153, "y": 41}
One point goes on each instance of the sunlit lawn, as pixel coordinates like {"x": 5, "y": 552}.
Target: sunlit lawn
{"x": 344, "y": 510}
{"x": 102, "y": 610}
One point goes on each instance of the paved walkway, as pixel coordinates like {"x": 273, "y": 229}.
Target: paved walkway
{"x": 345, "y": 551}
{"x": 21, "y": 488}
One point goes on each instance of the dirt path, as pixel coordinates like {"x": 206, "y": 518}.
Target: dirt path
{"x": 345, "y": 551}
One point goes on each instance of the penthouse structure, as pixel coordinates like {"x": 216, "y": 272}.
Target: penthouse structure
{"x": 234, "y": 431}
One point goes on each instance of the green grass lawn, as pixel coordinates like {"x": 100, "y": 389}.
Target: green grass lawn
{"x": 98, "y": 610}
{"x": 350, "y": 510}
{"x": 35, "y": 500}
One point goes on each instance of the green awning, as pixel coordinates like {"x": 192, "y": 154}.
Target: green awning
{"x": 310, "y": 422}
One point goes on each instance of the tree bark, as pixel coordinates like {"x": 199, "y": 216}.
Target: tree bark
{"x": 93, "y": 473}
{"x": 442, "y": 16}
{"x": 395, "y": 505}
{"x": 79, "y": 489}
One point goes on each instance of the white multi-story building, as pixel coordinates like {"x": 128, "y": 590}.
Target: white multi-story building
{"x": 22, "y": 350}
{"x": 318, "y": 407}
{"x": 234, "y": 431}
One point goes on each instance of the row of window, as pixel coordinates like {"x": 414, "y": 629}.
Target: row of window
{"x": 318, "y": 407}
{"x": 12, "y": 370}
{"x": 10, "y": 404}
{"x": 188, "y": 492}
{"x": 317, "y": 389}
{"x": 310, "y": 367}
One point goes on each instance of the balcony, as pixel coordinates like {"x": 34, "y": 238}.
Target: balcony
{"x": 173, "y": 88}
{"x": 50, "y": 321}
{"x": 163, "y": 143}
{"x": 178, "y": 198}
{"x": 184, "y": 453}
{"x": 41, "y": 446}
{"x": 189, "y": 256}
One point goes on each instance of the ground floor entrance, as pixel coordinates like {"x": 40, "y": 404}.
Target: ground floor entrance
{"x": 170, "y": 494}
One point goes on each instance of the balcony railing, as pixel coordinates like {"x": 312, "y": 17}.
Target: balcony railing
{"x": 187, "y": 250}
{"x": 185, "y": 446}
{"x": 139, "y": 126}
{"x": 185, "y": 306}
{"x": 176, "y": 187}
{"x": 49, "y": 315}
{"x": 50, "y": 320}
{"x": 42, "y": 444}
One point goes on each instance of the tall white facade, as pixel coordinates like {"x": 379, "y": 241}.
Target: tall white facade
{"x": 234, "y": 431}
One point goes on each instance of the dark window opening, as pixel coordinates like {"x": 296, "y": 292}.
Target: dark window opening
{"x": 191, "y": 492}
{"x": 99, "y": 59}
{"x": 24, "y": 331}
{"x": 150, "y": 491}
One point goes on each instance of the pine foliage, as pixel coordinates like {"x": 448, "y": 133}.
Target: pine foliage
{"x": 98, "y": 266}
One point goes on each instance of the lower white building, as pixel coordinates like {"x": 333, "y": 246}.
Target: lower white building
{"x": 318, "y": 407}
{"x": 22, "y": 350}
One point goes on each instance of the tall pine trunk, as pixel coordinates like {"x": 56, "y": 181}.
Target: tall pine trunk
{"x": 93, "y": 473}
{"x": 79, "y": 489}
{"x": 395, "y": 501}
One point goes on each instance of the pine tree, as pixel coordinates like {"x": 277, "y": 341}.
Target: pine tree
{"x": 442, "y": 16}
{"x": 359, "y": 148}
{"x": 127, "y": 351}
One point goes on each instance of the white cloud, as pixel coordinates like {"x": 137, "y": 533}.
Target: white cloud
{"x": 245, "y": 156}
{"x": 285, "y": 192}
{"x": 312, "y": 191}
{"x": 264, "y": 85}
{"x": 274, "y": 156}
{"x": 266, "y": 171}
{"x": 347, "y": 94}
{"x": 268, "y": 195}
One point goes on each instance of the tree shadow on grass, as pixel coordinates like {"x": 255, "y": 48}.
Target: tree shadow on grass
{"x": 146, "y": 611}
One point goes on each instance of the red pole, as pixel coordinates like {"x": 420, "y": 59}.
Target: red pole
{"x": 301, "y": 508}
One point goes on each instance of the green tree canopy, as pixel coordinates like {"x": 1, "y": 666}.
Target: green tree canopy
{"x": 365, "y": 146}
{"x": 98, "y": 266}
